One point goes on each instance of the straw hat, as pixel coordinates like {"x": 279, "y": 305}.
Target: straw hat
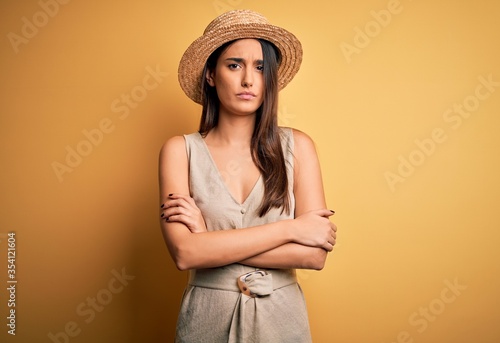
{"x": 230, "y": 26}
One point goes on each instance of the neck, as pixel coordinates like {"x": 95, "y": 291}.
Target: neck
{"x": 233, "y": 130}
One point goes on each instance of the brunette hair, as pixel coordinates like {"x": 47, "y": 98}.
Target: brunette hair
{"x": 265, "y": 145}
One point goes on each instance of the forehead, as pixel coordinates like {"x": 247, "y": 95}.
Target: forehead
{"x": 249, "y": 48}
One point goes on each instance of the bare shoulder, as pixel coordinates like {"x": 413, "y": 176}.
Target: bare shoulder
{"x": 173, "y": 146}
{"x": 173, "y": 157}
{"x": 303, "y": 144}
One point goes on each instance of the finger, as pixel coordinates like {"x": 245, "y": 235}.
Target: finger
{"x": 328, "y": 246}
{"x": 180, "y": 218}
{"x": 179, "y": 196}
{"x": 176, "y": 203}
{"x": 188, "y": 199}
{"x": 175, "y": 210}
{"x": 170, "y": 210}
{"x": 324, "y": 212}
{"x": 333, "y": 241}
{"x": 173, "y": 196}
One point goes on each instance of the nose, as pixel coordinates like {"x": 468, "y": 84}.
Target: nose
{"x": 247, "y": 80}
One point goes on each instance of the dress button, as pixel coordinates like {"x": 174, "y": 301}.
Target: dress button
{"x": 243, "y": 211}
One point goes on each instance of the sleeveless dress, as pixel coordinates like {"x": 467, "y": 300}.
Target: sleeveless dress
{"x": 267, "y": 306}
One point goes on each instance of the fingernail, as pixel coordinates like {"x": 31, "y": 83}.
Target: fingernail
{"x": 333, "y": 212}
{"x": 162, "y": 215}
{"x": 171, "y": 194}
{"x": 167, "y": 219}
{"x": 162, "y": 205}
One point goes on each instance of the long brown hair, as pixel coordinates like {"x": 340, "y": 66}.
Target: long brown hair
{"x": 265, "y": 145}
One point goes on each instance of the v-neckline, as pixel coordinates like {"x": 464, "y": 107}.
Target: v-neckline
{"x": 221, "y": 180}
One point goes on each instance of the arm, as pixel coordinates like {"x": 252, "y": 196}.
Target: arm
{"x": 289, "y": 256}
{"x": 309, "y": 195}
{"x": 217, "y": 248}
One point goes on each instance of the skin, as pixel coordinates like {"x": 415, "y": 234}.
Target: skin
{"x": 302, "y": 242}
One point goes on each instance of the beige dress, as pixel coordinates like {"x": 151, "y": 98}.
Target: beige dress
{"x": 214, "y": 308}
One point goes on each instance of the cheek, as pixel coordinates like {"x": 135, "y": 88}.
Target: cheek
{"x": 223, "y": 90}
{"x": 261, "y": 85}
{"x": 224, "y": 82}
{"x": 260, "y": 82}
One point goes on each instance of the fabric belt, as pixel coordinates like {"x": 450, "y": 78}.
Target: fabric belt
{"x": 253, "y": 312}
{"x": 253, "y": 282}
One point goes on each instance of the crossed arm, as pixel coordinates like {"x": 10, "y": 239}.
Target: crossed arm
{"x": 302, "y": 242}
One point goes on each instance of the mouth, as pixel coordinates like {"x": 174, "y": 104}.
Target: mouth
{"x": 246, "y": 95}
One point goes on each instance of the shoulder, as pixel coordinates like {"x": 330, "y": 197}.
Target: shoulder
{"x": 174, "y": 145}
{"x": 176, "y": 150}
{"x": 303, "y": 143}
{"x": 173, "y": 160}
{"x": 299, "y": 139}
{"x": 308, "y": 186}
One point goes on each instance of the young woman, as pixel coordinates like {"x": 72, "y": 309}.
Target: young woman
{"x": 242, "y": 203}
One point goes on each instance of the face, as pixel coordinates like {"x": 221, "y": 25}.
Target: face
{"x": 238, "y": 78}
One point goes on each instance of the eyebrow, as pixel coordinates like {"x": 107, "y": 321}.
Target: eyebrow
{"x": 239, "y": 60}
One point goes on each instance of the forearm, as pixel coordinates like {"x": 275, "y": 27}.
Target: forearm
{"x": 222, "y": 247}
{"x": 290, "y": 255}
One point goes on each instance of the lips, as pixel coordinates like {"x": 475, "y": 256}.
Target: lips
{"x": 246, "y": 95}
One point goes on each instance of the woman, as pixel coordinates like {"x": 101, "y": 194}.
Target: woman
{"x": 242, "y": 203}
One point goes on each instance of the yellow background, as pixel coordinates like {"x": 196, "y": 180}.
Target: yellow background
{"x": 400, "y": 245}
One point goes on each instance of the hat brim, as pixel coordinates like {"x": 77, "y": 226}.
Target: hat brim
{"x": 193, "y": 61}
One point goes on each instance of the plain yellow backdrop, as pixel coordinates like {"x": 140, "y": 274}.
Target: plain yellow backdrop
{"x": 401, "y": 97}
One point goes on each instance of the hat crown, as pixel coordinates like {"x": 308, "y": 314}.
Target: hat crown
{"x": 236, "y": 17}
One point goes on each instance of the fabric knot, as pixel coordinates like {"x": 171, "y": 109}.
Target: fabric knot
{"x": 259, "y": 284}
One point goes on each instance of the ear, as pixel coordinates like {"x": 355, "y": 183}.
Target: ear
{"x": 209, "y": 76}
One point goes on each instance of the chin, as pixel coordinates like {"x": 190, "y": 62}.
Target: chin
{"x": 243, "y": 109}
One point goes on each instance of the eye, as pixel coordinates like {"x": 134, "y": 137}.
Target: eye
{"x": 233, "y": 66}
{"x": 260, "y": 68}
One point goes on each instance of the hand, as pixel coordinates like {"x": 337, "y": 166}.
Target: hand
{"x": 315, "y": 229}
{"x": 182, "y": 209}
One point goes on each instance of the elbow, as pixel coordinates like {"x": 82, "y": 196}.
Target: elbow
{"x": 318, "y": 265}
{"x": 182, "y": 262}
{"x": 187, "y": 257}
{"x": 181, "y": 259}
{"x": 317, "y": 259}
{"x": 181, "y": 266}
{"x": 181, "y": 253}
